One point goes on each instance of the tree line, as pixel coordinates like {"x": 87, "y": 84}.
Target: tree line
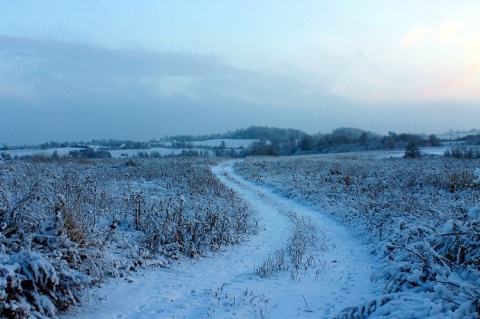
{"x": 269, "y": 141}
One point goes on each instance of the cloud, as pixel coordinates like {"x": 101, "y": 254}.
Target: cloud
{"x": 413, "y": 36}
{"x": 448, "y": 31}
{"x": 78, "y": 72}
{"x": 70, "y": 70}
{"x": 53, "y": 90}
{"x": 448, "y": 58}
{"x": 65, "y": 90}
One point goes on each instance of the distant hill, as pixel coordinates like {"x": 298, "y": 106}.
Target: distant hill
{"x": 250, "y": 133}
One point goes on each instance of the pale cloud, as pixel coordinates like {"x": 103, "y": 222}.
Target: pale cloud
{"x": 449, "y": 55}
{"x": 413, "y": 37}
{"x": 439, "y": 65}
{"x": 463, "y": 86}
{"x": 464, "y": 82}
{"x": 448, "y": 31}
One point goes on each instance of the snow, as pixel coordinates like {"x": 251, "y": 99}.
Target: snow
{"x": 133, "y": 152}
{"x": 477, "y": 176}
{"x": 400, "y": 153}
{"x": 403, "y": 208}
{"x": 289, "y": 242}
{"x": 473, "y": 213}
{"x": 118, "y": 153}
{"x": 64, "y": 151}
{"x": 229, "y": 143}
{"x": 224, "y": 285}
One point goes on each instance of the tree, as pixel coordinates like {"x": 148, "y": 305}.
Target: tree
{"x": 363, "y": 139}
{"x": 262, "y": 148}
{"x": 306, "y": 143}
{"x": 412, "y": 150}
{"x": 433, "y": 140}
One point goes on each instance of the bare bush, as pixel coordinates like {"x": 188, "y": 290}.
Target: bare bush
{"x": 303, "y": 238}
{"x": 273, "y": 264}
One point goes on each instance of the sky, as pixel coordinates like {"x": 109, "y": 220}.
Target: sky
{"x": 138, "y": 70}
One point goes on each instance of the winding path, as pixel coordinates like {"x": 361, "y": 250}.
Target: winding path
{"x": 225, "y": 286}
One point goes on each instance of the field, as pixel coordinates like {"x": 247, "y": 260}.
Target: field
{"x": 421, "y": 218}
{"x": 345, "y": 236}
{"x": 67, "y": 226}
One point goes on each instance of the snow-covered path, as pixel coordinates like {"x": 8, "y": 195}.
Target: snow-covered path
{"x": 225, "y": 286}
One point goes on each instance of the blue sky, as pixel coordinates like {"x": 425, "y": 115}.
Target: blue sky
{"x": 78, "y": 70}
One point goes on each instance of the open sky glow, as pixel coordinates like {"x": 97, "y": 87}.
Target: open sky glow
{"x": 78, "y": 70}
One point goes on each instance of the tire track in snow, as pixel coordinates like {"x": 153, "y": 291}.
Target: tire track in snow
{"x": 225, "y": 286}
{"x": 344, "y": 281}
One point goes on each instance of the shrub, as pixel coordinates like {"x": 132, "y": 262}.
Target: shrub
{"x": 412, "y": 150}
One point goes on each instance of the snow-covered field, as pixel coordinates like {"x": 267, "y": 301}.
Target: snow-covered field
{"x": 162, "y": 151}
{"x": 69, "y": 226}
{"x": 329, "y": 236}
{"x": 334, "y": 274}
{"x": 229, "y": 143}
{"x": 383, "y": 154}
{"x": 420, "y": 216}
{"x": 64, "y": 151}
{"x": 199, "y": 146}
